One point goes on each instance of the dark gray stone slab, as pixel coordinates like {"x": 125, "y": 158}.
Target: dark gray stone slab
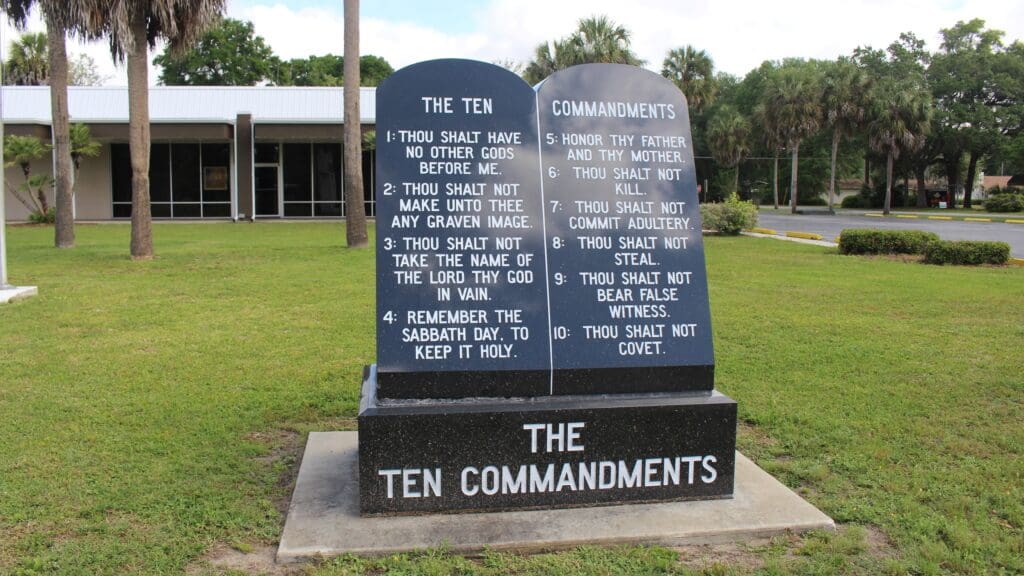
{"x": 537, "y": 242}
{"x": 323, "y": 519}
{"x": 461, "y": 297}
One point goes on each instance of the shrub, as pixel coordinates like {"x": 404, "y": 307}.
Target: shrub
{"x": 868, "y": 241}
{"x": 856, "y": 201}
{"x": 967, "y": 252}
{"x": 730, "y": 217}
{"x": 40, "y": 218}
{"x": 1005, "y": 203}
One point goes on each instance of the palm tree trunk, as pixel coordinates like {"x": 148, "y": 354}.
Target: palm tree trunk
{"x": 736, "y": 180}
{"x": 972, "y": 171}
{"x": 888, "y": 180}
{"x": 355, "y": 211}
{"x": 64, "y": 230}
{"x": 138, "y": 141}
{"x": 793, "y": 178}
{"x": 832, "y": 182}
{"x": 775, "y": 178}
{"x": 952, "y": 178}
{"x": 922, "y": 190}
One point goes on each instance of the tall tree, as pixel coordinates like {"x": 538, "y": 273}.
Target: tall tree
{"x": 27, "y": 63}
{"x": 133, "y": 26}
{"x": 692, "y": 71}
{"x": 728, "y": 132}
{"x": 329, "y": 70}
{"x": 792, "y": 103}
{"x": 900, "y": 120}
{"x": 970, "y": 99}
{"x": 228, "y": 54}
{"x": 355, "y": 210}
{"x": 597, "y": 39}
{"x": 904, "y": 62}
{"x": 60, "y": 16}
{"x": 600, "y": 39}
{"x": 82, "y": 71}
{"x": 845, "y": 92}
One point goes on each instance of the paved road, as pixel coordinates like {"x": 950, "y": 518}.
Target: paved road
{"x": 830, "y": 226}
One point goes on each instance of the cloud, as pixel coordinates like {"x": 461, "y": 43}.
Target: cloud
{"x": 99, "y": 51}
{"x": 739, "y": 35}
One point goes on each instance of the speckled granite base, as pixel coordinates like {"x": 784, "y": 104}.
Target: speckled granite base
{"x": 487, "y": 454}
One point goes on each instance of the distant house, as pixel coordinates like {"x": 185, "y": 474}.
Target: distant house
{"x": 217, "y": 152}
{"x": 990, "y": 182}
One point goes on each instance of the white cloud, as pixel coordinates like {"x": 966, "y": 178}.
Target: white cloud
{"x": 99, "y": 51}
{"x": 739, "y": 35}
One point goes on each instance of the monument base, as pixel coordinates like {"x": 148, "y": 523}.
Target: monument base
{"x": 423, "y": 456}
{"x": 324, "y": 520}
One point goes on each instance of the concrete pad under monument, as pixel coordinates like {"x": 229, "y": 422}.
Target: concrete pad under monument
{"x": 324, "y": 519}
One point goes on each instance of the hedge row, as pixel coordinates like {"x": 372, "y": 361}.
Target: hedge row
{"x": 1005, "y": 203}
{"x": 935, "y": 251}
{"x": 967, "y": 252}
{"x": 866, "y": 241}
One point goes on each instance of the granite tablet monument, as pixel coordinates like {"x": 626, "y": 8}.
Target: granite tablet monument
{"x": 543, "y": 328}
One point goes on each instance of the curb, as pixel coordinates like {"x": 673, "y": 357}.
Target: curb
{"x": 954, "y": 218}
{"x": 787, "y": 238}
{"x": 804, "y": 235}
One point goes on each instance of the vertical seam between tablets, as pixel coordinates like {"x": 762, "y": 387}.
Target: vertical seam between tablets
{"x": 544, "y": 230}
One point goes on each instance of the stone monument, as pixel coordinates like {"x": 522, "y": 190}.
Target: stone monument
{"x": 543, "y": 329}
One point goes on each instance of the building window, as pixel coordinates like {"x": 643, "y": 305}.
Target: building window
{"x": 311, "y": 179}
{"x": 369, "y": 179}
{"x": 186, "y": 180}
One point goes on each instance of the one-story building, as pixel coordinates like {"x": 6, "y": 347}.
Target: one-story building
{"x": 238, "y": 153}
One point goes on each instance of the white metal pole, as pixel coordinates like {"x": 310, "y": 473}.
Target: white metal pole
{"x": 3, "y": 212}
{"x": 3, "y": 192}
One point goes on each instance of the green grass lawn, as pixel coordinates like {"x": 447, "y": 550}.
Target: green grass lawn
{"x": 151, "y": 412}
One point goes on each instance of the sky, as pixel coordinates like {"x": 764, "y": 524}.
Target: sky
{"x": 738, "y": 34}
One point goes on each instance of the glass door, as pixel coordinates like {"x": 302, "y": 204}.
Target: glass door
{"x": 268, "y": 197}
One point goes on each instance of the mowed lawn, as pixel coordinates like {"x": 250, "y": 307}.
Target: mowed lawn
{"x": 151, "y": 412}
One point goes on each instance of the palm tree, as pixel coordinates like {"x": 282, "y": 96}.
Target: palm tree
{"x": 693, "y": 71}
{"x": 596, "y": 40}
{"x": 770, "y": 137}
{"x": 355, "y": 211}
{"x": 599, "y": 39}
{"x": 26, "y": 64}
{"x": 727, "y": 136}
{"x": 21, "y": 151}
{"x": 82, "y": 145}
{"x": 132, "y": 27}
{"x": 543, "y": 63}
{"x": 60, "y": 16}
{"x": 900, "y": 121}
{"x": 792, "y": 103}
{"x": 845, "y": 103}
